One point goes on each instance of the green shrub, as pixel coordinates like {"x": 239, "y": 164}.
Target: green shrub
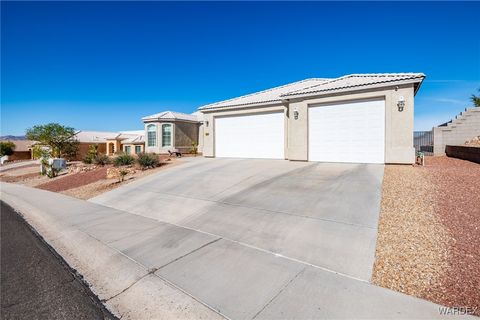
{"x": 121, "y": 175}
{"x": 91, "y": 154}
{"x": 194, "y": 149}
{"x": 102, "y": 159}
{"x": 123, "y": 159}
{"x": 147, "y": 160}
{"x": 6, "y": 148}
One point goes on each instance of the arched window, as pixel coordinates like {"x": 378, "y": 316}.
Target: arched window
{"x": 151, "y": 135}
{"x": 166, "y": 135}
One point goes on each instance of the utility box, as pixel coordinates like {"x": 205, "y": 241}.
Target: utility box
{"x": 58, "y": 163}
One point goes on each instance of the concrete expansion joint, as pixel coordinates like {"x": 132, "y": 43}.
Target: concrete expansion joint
{"x": 252, "y": 207}
{"x": 280, "y": 291}
{"x": 186, "y": 254}
{"x": 173, "y": 285}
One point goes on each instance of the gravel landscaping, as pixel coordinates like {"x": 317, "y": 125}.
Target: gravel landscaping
{"x": 429, "y": 232}
{"x": 75, "y": 180}
{"x": 81, "y": 180}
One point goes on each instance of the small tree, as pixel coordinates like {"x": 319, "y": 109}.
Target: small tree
{"x": 475, "y": 100}
{"x": 6, "y": 148}
{"x": 60, "y": 139}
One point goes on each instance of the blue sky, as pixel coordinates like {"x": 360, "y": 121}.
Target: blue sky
{"x": 104, "y": 65}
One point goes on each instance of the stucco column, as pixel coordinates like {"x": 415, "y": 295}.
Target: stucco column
{"x": 297, "y": 146}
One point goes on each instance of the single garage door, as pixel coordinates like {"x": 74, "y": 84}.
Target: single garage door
{"x": 347, "y": 132}
{"x": 251, "y": 136}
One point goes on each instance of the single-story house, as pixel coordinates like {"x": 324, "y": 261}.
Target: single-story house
{"x": 359, "y": 118}
{"x": 109, "y": 143}
{"x": 23, "y": 150}
{"x": 170, "y": 130}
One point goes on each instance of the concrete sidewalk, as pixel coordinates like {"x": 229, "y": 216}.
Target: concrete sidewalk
{"x": 19, "y": 164}
{"x": 143, "y": 268}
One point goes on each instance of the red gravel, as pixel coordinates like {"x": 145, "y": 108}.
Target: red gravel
{"x": 75, "y": 180}
{"x": 457, "y": 204}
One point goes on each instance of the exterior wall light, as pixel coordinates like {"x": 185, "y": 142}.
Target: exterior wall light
{"x": 295, "y": 114}
{"x": 401, "y": 103}
{"x": 206, "y": 123}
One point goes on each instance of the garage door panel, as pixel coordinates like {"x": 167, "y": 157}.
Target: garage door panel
{"x": 250, "y": 136}
{"x": 349, "y": 132}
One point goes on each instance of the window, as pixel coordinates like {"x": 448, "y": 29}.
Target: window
{"x": 128, "y": 149}
{"x": 151, "y": 135}
{"x": 166, "y": 135}
{"x": 138, "y": 149}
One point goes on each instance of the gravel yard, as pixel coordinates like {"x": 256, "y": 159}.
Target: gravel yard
{"x": 81, "y": 180}
{"x": 429, "y": 232}
{"x": 75, "y": 180}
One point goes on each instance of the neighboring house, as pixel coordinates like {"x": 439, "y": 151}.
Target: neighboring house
{"x": 170, "y": 130}
{"x": 463, "y": 128}
{"x": 23, "y": 150}
{"x": 110, "y": 142}
{"x": 359, "y": 118}
{"x": 130, "y": 142}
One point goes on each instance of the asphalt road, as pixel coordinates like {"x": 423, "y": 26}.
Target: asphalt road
{"x": 35, "y": 283}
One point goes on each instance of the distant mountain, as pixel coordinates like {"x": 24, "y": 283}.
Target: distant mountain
{"x": 12, "y": 138}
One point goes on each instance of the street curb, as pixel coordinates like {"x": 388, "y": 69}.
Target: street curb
{"x": 127, "y": 289}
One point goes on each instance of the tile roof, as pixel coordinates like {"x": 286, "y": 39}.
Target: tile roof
{"x": 103, "y": 136}
{"x": 318, "y": 86}
{"x": 357, "y": 80}
{"x": 21, "y": 145}
{"x": 265, "y": 96}
{"x": 171, "y": 115}
{"x": 94, "y": 136}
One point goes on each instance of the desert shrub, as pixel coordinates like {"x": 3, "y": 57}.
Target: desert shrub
{"x": 194, "y": 149}
{"x": 147, "y": 160}
{"x": 102, "y": 159}
{"x": 123, "y": 159}
{"x": 121, "y": 175}
{"x": 91, "y": 154}
{"x": 6, "y": 148}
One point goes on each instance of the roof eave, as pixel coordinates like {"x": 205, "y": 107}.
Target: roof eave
{"x": 354, "y": 88}
{"x": 242, "y": 106}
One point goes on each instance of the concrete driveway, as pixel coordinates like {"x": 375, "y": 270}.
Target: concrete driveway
{"x": 242, "y": 239}
{"x": 322, "y": 214}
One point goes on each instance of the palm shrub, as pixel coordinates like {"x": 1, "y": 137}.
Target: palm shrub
{"x": 102, "y": 159}
{"x": 147, "y": 160}
{"x": 475, "y": 100}
{"x": 123, "y": 159}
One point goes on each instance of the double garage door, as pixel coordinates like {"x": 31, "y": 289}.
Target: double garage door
{"x": 344, "y": 132}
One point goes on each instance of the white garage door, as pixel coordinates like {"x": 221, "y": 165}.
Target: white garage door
{"x": 347, "y": 132}
{"x": 250, "y": 136}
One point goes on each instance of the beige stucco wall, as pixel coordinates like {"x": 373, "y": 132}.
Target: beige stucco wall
{"x": 398, "y": 125}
